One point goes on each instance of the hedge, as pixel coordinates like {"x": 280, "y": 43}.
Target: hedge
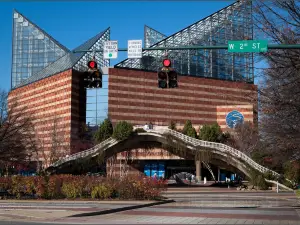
{"x": 71, "y": 187}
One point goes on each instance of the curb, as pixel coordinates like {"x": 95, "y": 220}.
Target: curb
{"x": 121, "y": 209}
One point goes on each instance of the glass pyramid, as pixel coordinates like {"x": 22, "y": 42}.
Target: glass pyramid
{"x": 152, "y": 36}
{"x": 33, "y": 49}
{"x": 233, "y": 22}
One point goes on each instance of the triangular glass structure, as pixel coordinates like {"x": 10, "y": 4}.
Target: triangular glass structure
{"x": 33, "y": 49}
{"x": 76, "y": 61}
{"x": 233, "y": 22}
{"x": 152, "y": 36}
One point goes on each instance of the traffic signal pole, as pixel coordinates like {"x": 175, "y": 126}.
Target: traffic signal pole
{"x": 283, "y": 46}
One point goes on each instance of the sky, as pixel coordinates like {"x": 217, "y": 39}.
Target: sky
{"x": 72, "y": 23}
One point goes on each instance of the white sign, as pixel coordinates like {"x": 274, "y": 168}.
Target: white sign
{"x": 110, "y": 50}
{"x": 134, "y": 49}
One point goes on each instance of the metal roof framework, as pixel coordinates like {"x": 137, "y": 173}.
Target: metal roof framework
{"x": 33, "y": 49}
{"x": 76, "y": 61}
{"x": 233, "y": 22}
{"x": 152, "y": 36}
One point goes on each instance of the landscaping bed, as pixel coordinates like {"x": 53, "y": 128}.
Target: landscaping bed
{"x": 81, "y": 187}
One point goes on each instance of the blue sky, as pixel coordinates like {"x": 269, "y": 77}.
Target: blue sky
{"x": 72, "y": 23}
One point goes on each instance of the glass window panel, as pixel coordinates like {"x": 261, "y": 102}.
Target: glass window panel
{"x": 91, "y": 114}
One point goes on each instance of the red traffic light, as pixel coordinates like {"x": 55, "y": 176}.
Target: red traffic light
{"x": 167, "y": 62}
{"x": 92, "y": 64}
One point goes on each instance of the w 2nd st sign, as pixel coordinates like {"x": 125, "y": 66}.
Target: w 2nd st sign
{"x": 248, "y": 46}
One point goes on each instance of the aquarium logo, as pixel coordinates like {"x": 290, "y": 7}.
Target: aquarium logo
{"x": 234, "y": 118}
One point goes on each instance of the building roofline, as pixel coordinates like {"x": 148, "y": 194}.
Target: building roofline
{"x": 44, "y": 32}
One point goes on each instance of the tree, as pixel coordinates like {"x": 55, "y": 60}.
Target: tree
{"x": 279, "y": 22}
{"x": 191, "y": 132}
{"x": 122, "y": 130}
{"x": 104, "y": 131}
{"x": 172, "y": 125}
{"x": 16, "y": 139}
{"x": 188, "y": 125}
{"x": 246, "y": 137}
{"x": 210, "y": 133}
{"x": 52, "y": 151}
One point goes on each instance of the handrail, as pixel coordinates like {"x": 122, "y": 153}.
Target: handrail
{"x": 195, "y": 142}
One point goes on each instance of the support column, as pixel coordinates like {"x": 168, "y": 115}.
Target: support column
{"x": 218, "y": 174}
{"x": 198, "y": 170}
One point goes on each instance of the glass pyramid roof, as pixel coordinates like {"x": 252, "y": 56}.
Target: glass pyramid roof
{"x": 33, "y": 49}
{"x": 77, "y": 61}
{"x": 233, "y": 22}
{"x": 152, "y": 36}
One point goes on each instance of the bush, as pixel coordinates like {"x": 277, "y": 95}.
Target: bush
{"x": 298, "y": 193}
{"x": 18, "y": 187}
{"x": 58, "y": 186}
{"x": 191, "y": 132}
{"x": 188, "y": 125}
{"x": 122, "y": 130}
{"x": 257, "y": 179}
{"x": 211, "y": 133}
{"x": 139, "y": 130}
{"x": 172, "y": 125}
{"x": 269, "y": 176}
{"x": 101, "y": 192}
{"x": 104, "y": 131}
{"x": 292, "y": 171}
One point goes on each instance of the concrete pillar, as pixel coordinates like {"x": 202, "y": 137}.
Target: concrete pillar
{"x": 198, "y": 170}
{"x": 218, "y": 174}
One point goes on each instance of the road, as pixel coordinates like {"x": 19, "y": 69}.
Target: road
{"x": 191, "y": 206}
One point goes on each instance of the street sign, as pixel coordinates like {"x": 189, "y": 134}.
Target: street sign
{"x": 135, "y": 49}
{"x": 248, "y": 46}
{"x": 110, "y": 50}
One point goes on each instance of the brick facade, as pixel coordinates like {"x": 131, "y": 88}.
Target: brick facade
{"x": 134, "y": 96}
{"x": 55, "y": 106}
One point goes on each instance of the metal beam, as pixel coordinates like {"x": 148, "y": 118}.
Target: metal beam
{"x": 196, "y": 47}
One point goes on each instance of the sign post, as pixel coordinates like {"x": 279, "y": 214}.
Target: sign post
{"x": 248, "y": 46}
{"x": 110, "y": 50}
{"x": 135, "y": 49}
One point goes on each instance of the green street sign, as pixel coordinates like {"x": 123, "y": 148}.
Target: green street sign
{"x": 248, "y": 46}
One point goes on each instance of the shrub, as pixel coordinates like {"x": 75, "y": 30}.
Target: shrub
{"x": 172, "y": 125}
{"x": 269, "y": 176}
{"x": 18, "y": 187}
{"x": 191, "y": 132}
{"x": 122, "y": 130}
{"x": 258, "y": 180}
{"x": 210, "y": 133}
{"x": 101, "y": 192}
{"x": 188, "y": 125}
{"x": 73, "y": 186}
{"x": 41, "y": 184}
{"x": 298, "y": 193}
{"x": 5, "y": 183}
{"x": 104, "y": 131}
{"x": 292, "y": 171}
{"x": 139, "y": 130}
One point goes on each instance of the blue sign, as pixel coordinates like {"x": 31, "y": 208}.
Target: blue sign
{"x": 147, "y": 170}
{"x": 233, "y": 118}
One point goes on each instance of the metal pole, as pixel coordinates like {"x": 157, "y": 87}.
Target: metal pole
{"x": 297, "y": 46}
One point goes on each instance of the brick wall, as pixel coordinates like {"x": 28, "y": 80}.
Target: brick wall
{"x": 53, "y": 103}
{"x": 134, "y": 96}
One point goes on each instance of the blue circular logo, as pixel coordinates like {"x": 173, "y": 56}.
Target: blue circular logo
{"x": 233, "y": 118}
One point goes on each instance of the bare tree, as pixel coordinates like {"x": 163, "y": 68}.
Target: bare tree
{"x": 279, "y": 22}
{"x": 245, "y": 138}
{"x": 16, "y": 132}
{"x": 50, "y": 152}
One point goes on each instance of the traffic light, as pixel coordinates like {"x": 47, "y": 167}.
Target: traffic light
{"x": 162, "y": 79}
{"x": 172, "y": 79}
{"x": 167, "y": 76}
{"x": 93, "y": 77}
